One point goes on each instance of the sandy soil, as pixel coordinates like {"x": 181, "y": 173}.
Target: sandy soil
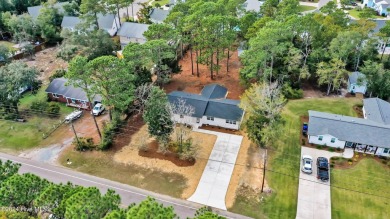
{"x": 247, "y": 172}
{"x": 47, "y": 63}
{"x": 185, "y": 81}
{"x": 129, "y": 155}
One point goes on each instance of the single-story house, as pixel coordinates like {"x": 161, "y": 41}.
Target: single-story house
{"x": 35, "y": 10}
{"x": 357, "y": 83}
{"x": 210, "y": 108}
{"x": 108, "y": 22}
{"x": 368, "y": 135}
{"x": 158, "y": 15}
{"x": 380, "y": 6}
{"x": 132, "y": 32}
{"x": 72, "y": 96}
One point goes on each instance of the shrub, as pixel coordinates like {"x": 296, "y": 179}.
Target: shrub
{"x": 331, "y": 149}
{"x": 157, "y": 5}
{"x": 39, "y": 106}
{"x": 84, "y": 144}
{"x": 58, "y": 74}
{"x": 318, "y": 146}
{"x": 109, "y": 133}
{"x": 303, "y": 142}
{"x": 291, "y": 93}
{"x": 53, "y": 108}
{"x": 332, "y": 165}
{"x": 350, "y": 160}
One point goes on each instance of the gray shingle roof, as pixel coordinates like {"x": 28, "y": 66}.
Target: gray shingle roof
{"x": 354, "y": 77}
{"x": 348, "y": 128}
{"x": 377, "y": 110}
{"x": 214, "y": 91}
{"x": 379, "y": 25}
{"x": 70, "y": 22}
{"x": 133, "y": 30}
{"x": 197, "y": 101}
{"x": 206, "y": 106}
{"x": 158, "y": 15}
{"x": 57, "y": 86}
{"x": 253, "y": 5}
{"x": 225, "y": 109}
{"x": 35, "y": 10}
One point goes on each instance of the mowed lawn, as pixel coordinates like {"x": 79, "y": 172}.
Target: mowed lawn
{"x": 303, "y": 8}
{"x": 17, "y": 136}
{"x": 284, "y": 158}
{"x": 367, "y": 176}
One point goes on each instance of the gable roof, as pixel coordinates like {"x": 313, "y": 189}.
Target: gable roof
{"x": 214, "y": 91}
{"x": 197, "y": 101}
{"x": 348, "y": 128}
{"x": 377, "y": 110}
{"x": 35, "y": 10}
{"x": 205, "y": 105}
{"x": 105, "y": 21}
{"x": 158, "y": 15}
{"x": 70, "y": 22}
{"x": 355, "y": 76}
{"x": 58, "y": 86}
{"x": 133, "y": 30}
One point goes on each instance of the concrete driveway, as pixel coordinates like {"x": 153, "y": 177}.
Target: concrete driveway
{"x": 313, "y": 194}
{"x": 213, "y": 184}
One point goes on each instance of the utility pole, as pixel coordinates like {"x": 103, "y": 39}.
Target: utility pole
{"x": 75, "y": 134}
{"x": 264, "y": 164}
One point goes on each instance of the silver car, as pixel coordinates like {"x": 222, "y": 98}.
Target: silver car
{"x": 307, "y": 163}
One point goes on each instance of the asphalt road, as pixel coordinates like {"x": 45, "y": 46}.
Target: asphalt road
{"x": 129, "y": 194}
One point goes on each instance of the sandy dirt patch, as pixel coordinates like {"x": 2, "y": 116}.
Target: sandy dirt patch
{"x": 129, "y": 155}
{"x": 247, "y": 172}
{"x": 47, "y": 63}
{"x": 185, "y": 81}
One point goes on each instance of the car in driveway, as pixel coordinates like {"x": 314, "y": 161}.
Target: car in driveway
{"x": 322, "y": 169}
{"x": 307, "y": 163}
{"x": 98, "y": 109}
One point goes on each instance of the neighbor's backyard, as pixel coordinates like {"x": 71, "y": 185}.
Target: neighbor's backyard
{"x": 284, "y": 159}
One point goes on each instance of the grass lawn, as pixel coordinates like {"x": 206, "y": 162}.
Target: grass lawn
{"x": 7, "y": 44}
{"x": 314, "y": 1}
{"x": 367, "y": 176}
{"x": 303, "y": 8}
{"x": 100, "y": 164}
{"x": 15, "y": 136}
{"x": 355, "y": 13}
{"x": 283, "y": 162}
{"x": 161, "y": 2}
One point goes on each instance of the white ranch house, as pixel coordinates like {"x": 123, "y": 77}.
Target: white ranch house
{"x": 369, "y": 135}
{"x": 210, "y": 108}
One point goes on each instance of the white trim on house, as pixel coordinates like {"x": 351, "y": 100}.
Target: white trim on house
{"x": 198, "y": 122}
{"x": 327, "y": 140}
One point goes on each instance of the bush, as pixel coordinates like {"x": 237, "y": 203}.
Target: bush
{"x": 58, "y": 74}
{"x": 157, "y": 5}
{"x": 84, "y": 144}
{"x": 52, "y": 108}
{"x": 109, "y": 133}
{"x": 331, "y": 149}
{"x": 39, "y": 106}
{"x": 291, "y": 93}
{"x": 331, "y": 165}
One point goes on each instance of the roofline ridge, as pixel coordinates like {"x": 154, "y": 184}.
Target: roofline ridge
{"x": 371, "y": 125}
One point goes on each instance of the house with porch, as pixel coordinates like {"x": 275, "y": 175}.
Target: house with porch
{"x": 132, "y": 32}
{"x": 357, "y": 83}
{"x": 367, "y": 135}
{"x": 59, "y": 91}
{"x": 380, "y": 6}
{"x": 211, "y": 108}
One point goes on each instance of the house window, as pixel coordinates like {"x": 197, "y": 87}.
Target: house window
{"x": 333, "y": 140}
{"x": 386, "y": 150}
{"x": 55, "y": 95}
{"x": 320, "y": 138}
{"x": 210, "y": 118}
{"x": 197, "y": 120}
{"x": 181, "y": 116}
{"x": 73, "y": 100}
{"x": 231, "y": 122}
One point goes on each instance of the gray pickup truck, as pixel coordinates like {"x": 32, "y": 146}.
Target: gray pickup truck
{"x": 322, "y": 169}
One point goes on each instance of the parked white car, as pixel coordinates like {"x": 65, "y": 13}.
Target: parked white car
{"x": 98, "y": 109}
{"x": 307, "y": 164}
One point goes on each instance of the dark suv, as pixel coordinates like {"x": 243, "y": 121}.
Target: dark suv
{"x": 322, "y": 169}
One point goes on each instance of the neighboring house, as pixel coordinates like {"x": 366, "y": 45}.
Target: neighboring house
{"x": 383, "y": 47}
{"x": 35, "y": 11}
{"x": 158, "y": 15}
{"x": 357, "y": 83}
{"x": 380, "y": 6}
{"x": 72, "y": 96}
{"x": 253, "y": 5}
{"x": 211, "y": 108}
{"x": 132, "y": 32}
{"x": 108, "y": 22}
{"x": 369, "y": 135}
